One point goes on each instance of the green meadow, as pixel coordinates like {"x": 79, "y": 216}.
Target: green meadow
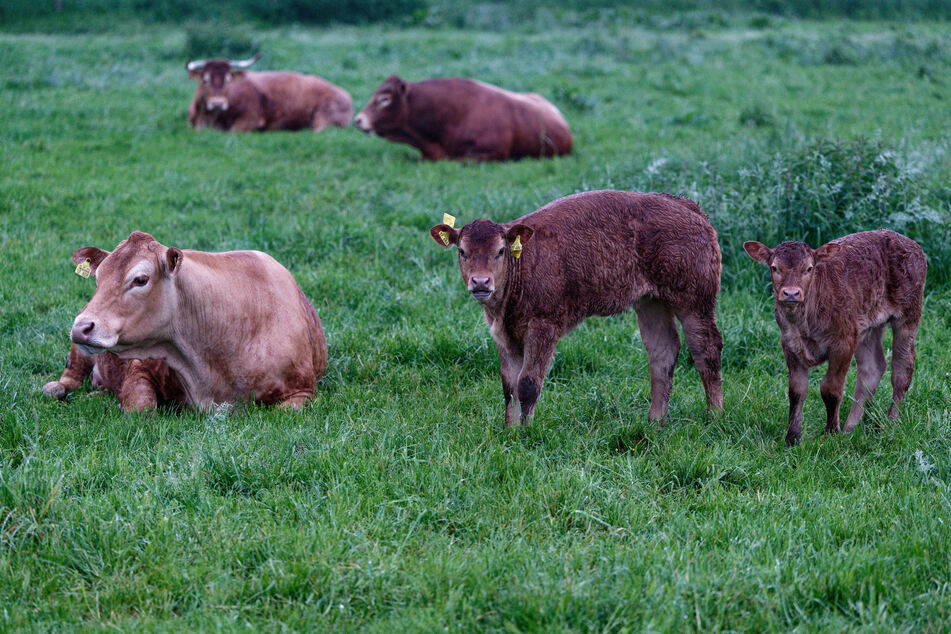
{"x": 395, "y": 500}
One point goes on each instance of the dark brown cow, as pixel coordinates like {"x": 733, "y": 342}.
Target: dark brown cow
{"x": 139, "y": 384}
{"x": 595, "y": 253}
{"x": 232, "y": 99}
{"x": 833, "y": 303}
{"x": 458, "y": 118}
{"x": 233, "y": 325}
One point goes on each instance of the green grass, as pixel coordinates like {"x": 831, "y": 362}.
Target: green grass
{"x": 395, "y": 500}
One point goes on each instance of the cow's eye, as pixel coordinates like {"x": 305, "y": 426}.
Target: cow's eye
{"x": 774, "y": 268}
{"x": 383, "y": 102}
{"x": 462, "y": 254}
{"x": 227, "y": 79}
{"x": 141, "y": 280}
{"x": 501, "y": 251}
{"x": 809, "y": 270}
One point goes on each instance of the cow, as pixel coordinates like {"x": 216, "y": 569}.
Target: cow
{"x": 234, "y": 100}
{"x": 833, "y": 303}
{"x": 233, "y": 326}
{"x": 139, "y": 384}
{"x": 458, "y": 118}
{"x": 595, "y": 253}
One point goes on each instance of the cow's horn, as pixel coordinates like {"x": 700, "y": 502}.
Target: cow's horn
{"x": 198, "y": 64}
{"x": 245, "y": 62}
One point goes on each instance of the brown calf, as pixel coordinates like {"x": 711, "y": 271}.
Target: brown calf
{"x": 833, "y": 303}
{"x": 595, "y": 253}
{"x": 231, "y": 99}
{"x": 139, "y": 384}
{"x": 457, "y": 118}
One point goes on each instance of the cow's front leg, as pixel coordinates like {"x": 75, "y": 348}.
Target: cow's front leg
{"x": 510, "y": 366}
{"x": 78, "y": 366}
{"x": 798, "y": 386}
{"x": 540, "y": 340}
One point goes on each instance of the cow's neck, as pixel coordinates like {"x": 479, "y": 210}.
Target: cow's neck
{"x": 504, "y": 309}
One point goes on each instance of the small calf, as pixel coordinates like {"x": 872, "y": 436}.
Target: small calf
{"x": 139, "y": 384}
{"x": 595, "y": 253}
{"x": 833, "y": 303}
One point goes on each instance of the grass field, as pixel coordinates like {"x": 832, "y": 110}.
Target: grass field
{"x": 396, "y": 500}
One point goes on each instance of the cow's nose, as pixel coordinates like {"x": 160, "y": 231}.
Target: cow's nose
{"x": 82, "y": 330}
{"x": 360, "y": 121}
{"x": 792, "y": 294}
{"x": 480, "y": 282}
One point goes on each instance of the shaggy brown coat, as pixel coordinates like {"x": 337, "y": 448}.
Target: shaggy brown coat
{"x": 239, "y": 101}
{"x": 595, "y": 253}
{"x": 139, "y": 384}
{"x": 233, "y": 326}
{"x": 833, "y": 303}
{"x": 457, "y": 118}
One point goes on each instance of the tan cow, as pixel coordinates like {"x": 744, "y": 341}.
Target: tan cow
{"x": 230, "y": 98}
{"x": 233, "y": 326}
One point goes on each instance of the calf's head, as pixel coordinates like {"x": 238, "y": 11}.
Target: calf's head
{"x": 792, "y": 266}
{"x": 485, "y": 248}
{"x": 386, "y": 109}
{"x": 134, "y": 299}
{"x": 214, "y": 76}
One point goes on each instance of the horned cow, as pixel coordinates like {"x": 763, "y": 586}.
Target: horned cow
{"x": 595, "y": 253}
{"x": 833, "y": 303}
{"x": 230, "y": 98}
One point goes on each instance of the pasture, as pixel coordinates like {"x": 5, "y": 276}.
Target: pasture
{"x": 395, "y": 500}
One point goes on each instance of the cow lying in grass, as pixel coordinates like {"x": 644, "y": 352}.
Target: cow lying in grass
{"x": 595, "y": 253}
{"x": 139, "y": 384}
{"x": 233, "y": 326}
{"x": 833, "y": 303}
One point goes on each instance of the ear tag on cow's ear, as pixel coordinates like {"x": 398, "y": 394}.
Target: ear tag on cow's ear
{"x": 517, "y": 247}
{"x": 84, "y": 269}
{"x": 446, "y": 220}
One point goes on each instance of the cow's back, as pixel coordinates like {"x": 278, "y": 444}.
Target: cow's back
{"x": 603, "y": 250}
{"x": 292, "y": 99}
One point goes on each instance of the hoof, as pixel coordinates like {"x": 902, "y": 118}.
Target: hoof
{"x": 54, "y": 389}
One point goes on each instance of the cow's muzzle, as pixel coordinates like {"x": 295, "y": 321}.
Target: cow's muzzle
{"x": 216, "y": 103}
{"x": 362, "y": 122}
{"x": 85, "y": 336}
{"x": 481, "y": 288}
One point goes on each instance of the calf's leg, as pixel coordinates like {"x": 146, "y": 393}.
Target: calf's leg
{"x": 870, "y": 363}
{"x": 659, "y": 334}
{"x": 833, "y": 386}
{"x": 705, "y": 344}
{"x": 540, "y": 340}
{"x": 511, "y": 366}
{"x": 798, "y": 386}
{"x": 78, "y": 366}
{"x": 903, "y": 360}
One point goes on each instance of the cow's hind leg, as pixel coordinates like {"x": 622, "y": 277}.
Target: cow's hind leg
{"x": 706, "y": 345}
{"x": 659, "y": 334}
{"x": 833, "y": 385}
{"x": 870, "y": 363}
{"x": 903, "y": 359}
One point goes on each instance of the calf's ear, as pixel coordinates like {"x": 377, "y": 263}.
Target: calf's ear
{"x": 523, "y": 232}
{"x": 757, "y": 250}
{"x": 173, "y": 260}
{"x": 94, "y": 255}
{"x": 826, "y": 251}
{"x": 444, "y": 235}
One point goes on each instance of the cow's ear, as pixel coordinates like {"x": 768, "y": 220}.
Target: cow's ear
{"x": 195, "y": 73}
{"x": 758, "y": 251}
{"x": 400, "y": 85}
{"x": 173, "y": 260}
{"x": 444, "y": 235}
{"x": 94, "y": 255}
{"x": 524, "y": 233}
{"x": 237, "y": 74}
{"x": 826, "y": 251}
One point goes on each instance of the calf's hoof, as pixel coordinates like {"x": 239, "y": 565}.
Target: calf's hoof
{"x": 55, "y": 389}
{"x": 792, "y": 439}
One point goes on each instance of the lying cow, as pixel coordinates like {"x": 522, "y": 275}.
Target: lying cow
{"x": 233, "y": 326}
{"x": 833, "y": 303}
{"x": 459, "y": 118}
{"x": 595, "y": 253}
{"x": 139, "y": 384}
{"x": 234, "y": 100}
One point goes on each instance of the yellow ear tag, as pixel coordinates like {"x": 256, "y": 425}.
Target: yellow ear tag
{"x": 449, "y": 220}
{"x": 84, "y": 270}
{"x": 445, "y": 237}
{"x": 517, "y": 247}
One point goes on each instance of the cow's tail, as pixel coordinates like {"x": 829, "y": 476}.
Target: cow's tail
{"x": 318, "y": 340}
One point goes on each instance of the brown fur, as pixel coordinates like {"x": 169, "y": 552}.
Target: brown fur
{"x": 458, "y": 118}
{"x": 833, "y": 303}
{"x": 596, "y": 253}
{"x": 232, "y": 326}
{"x": 139, "y": 384}
{"x": 265, "y": 100}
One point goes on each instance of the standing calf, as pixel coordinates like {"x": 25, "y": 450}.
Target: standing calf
{"x": 833, "y": 304}
{"x": 595, "y": 253}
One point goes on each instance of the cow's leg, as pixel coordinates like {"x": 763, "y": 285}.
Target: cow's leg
{"x": 296, "y": 401}
{"x": 659, "y": 334}
{"x": 903, "y": 360}
{"x": 138, "y": 391}
{"x": 248, "y": 123}
{"x": 539, "y": 350}
{"x": 510, "y": 367}
{"x": 870, "y": 363}
{"x": 78, "y": 367}
{"x": 798, "y": 386}
{"x": 705, "y": 344}
{"x": 833, "y": 385}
